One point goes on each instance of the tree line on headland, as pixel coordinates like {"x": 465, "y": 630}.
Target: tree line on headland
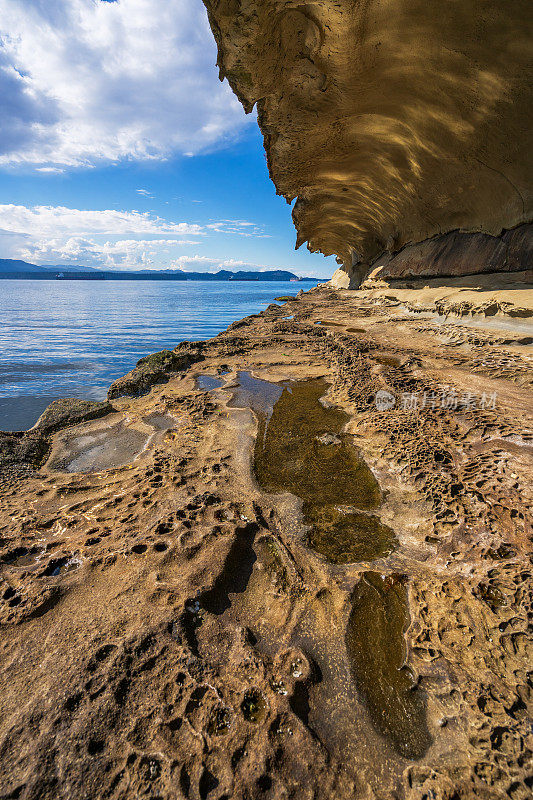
{"x": 15, "y": 269}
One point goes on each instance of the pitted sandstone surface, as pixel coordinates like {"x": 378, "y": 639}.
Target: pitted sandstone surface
{"x": 168, "y": 628}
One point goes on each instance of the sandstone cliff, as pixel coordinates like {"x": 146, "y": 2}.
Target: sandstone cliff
{"x": 390, "y": 122}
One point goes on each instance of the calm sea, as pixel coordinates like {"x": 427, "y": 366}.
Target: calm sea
{"x": 74, "y": 338}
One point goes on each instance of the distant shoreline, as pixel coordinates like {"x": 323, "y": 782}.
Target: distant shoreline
{"x": 133, "y": 277}
{"x": 13, "y": 269}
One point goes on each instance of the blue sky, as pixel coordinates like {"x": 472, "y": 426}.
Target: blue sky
{"x": 119, "y": 147}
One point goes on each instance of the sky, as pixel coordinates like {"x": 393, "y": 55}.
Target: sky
{"x": 121, "y": 149}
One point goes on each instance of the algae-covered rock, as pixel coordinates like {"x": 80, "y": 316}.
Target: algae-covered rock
{"x": 273, "y": 309}
{"x": 150, "y": 370}
{"x": 22, "y": 450}
{"x": 70, "y": 411}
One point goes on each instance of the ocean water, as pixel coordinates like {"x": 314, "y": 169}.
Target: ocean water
{"x": 74, "y": 338}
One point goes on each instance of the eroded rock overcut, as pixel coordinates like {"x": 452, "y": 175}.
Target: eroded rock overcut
{"x": 388, "y": 123}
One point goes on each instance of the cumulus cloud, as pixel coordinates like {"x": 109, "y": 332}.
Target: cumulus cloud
{"x": 26, "y": 112}
{"x": 86, "y": 81}
{"x": 56, "y": 221}
{"x": 127, "y": 254}
{"x": 109, "y": 238}
{"x": 124, "y": 253}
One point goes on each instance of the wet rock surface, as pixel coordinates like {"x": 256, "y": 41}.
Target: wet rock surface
{"x": 170, "y": 627}
{"x": 23, "y": 450}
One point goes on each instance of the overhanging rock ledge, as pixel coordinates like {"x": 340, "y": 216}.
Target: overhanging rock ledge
{"x": 388, "y": 123}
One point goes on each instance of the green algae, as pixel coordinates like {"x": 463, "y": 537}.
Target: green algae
{"x": 375, "y": 644}
{"x": 70, "y": 411}
{"x": 301, "y": 448}
{"x": 347, "y": 537}
{"x": 151, "y": 370}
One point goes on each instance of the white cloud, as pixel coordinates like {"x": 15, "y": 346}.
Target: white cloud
{"x": 144, "y": 193}
{"x": 25, "y": 112}
{"x": 56, "y": 221}
{"x": 85, "y": 81}
{"x": 199, "y": 263}
{"x": 238, "y": 227}
{"x": 109, "y": 238}
{"x": 128, "y": 254}
{"x": 124, "y": 253}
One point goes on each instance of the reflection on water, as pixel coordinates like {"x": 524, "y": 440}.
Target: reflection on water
{"x": 107, "y": 446}
{"x": 208, "y": 382}
{"x": 261, "y": 396}
{"x": 74, "y": 338}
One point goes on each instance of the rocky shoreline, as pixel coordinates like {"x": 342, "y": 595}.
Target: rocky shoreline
{"x": 177, "y": 624}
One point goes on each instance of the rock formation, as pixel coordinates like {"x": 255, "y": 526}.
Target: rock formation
{"x": 387, "y": 123}
{"x": 186, "y": 614}
{"x": 455, "y": 254}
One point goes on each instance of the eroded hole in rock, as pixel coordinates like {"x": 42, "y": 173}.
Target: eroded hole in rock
{"x": 190, "y": 620}
{"x": 23, "y": 556}
{"x": 301, "y": 448}
{"x": 58, "y": 566}
{"x": 219, "y": 721}
{"x": 375, "y": 645}
{"x": 254, "y": 706}
{"x": 207, "y": 783}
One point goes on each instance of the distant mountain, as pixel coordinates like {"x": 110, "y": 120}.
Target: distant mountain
{"x": 12, "y": 265}
{"x": 12, "y": 268}
{"x": 69, "y": 267}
